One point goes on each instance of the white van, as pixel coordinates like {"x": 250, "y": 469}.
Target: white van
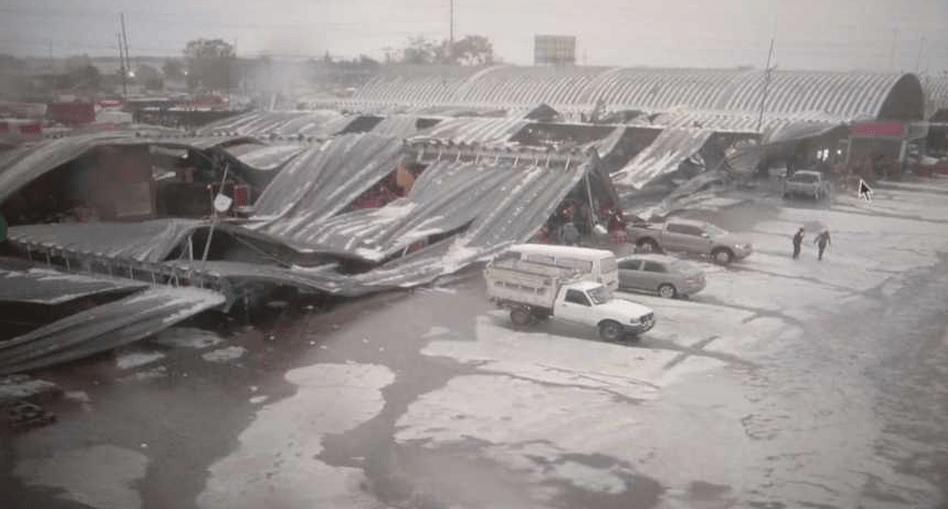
{"x": 599, "y": 265}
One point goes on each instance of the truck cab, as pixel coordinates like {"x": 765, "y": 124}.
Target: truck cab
{"x": 588, "y": 303}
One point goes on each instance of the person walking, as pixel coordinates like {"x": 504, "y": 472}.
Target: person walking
{"x": 822, "y": 240}
{"x": 797, "y": 242}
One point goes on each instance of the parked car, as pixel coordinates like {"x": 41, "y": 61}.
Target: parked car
{"x": 805, "y": 183}
{"x": 667, "y": 276}
{"x": 688, "y": 236}
{"x": 534, "y": 292}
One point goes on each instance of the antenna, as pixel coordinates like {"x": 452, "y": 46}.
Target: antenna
{"x": 451, "y": 32}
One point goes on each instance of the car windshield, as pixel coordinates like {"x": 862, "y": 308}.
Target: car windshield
{"x": 804, "y": 178}
{"x": 682, "y": 267}
{"x": 714, "y": 230}
{"x": 599, "y": 295}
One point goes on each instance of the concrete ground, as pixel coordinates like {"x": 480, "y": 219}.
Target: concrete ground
{"x": 786, "y": 383}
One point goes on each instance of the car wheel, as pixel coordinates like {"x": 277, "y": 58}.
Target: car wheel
{"x": 722, "y": 256}
{"x": 520, "y": 317}
{"x": 610, "y": 330}
{"x": 648, "y": 246}
{"x": 667, "y": 291}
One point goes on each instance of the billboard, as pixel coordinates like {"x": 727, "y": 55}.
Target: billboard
{"x": 554, "y": 50}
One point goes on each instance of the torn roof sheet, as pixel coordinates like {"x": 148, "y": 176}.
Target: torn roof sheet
{"x": 104, "y": 327}
{"x": 477, "y": 131}
{"x": 401, "y": 126}
{"x": 316, "y": 124}
{"x": 321, "y": 181}
{"x": 147, "y": 241}
{"x": 670, "y": 149}
{"x": 265, "y": 157}
{"x": 51, "y": 287}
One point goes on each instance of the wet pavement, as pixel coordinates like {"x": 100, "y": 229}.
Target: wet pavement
{"x": 784, "y": 384}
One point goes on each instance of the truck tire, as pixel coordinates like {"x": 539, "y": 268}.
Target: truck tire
{"x": 722, "y": 256}
{"x": 667, "y": 291}
{"x": 610, "y": 330}
{"x": 520, "y": 317}
{"x": 648, "y": 246}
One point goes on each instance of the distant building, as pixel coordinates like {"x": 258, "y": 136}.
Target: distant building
{"x": 558, "y": 50}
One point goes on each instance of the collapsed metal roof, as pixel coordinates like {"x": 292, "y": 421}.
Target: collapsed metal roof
{"x": 104, "y": 327}
{"x": 663, "y": 156}
{"x": 308, "y": 124}
{"x": 478, "y": 131}
{"x": 20, "y": 282}
{"x": 265, "y": 157}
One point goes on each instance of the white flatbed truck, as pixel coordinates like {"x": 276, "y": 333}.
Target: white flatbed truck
{"x": 534, "y": 292}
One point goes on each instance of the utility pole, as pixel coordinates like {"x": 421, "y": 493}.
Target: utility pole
{"x": 125, "y": 42}
{"x": 451, "y": 32}
{"x": 122, "y": 68}
{"x": 918, "y": 60}
{"x": 763, "y": 99}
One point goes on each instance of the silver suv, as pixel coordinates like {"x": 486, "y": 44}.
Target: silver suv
{"x": 805, "y": 183}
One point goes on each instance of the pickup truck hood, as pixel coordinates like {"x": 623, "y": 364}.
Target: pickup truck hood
{"x": 621, "y": 307}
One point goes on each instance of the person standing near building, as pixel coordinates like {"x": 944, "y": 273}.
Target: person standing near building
{"x": 797, "y": 242}
{"x": 822, "y": 240}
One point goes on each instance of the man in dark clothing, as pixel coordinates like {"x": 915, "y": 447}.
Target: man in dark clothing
{"x": 570, "y": 234}
{"x": 822, "y": 240}
{"x": 797, "y": 241}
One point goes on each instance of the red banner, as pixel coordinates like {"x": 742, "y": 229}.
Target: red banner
{"x": 878, "y": 130}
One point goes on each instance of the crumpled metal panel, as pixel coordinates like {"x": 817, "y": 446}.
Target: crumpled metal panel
{"x": 38, "y": 285}
{"x": 479, "y": 131}
{"x": 670, "y": 149}
{"x": 321, "y": 181}
{"x": 104, "y": 327}
{"x": 265, "y": 157}
{"x": 148, "y": 241}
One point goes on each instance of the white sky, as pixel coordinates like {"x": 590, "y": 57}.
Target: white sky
{"x": 812, "y": 34}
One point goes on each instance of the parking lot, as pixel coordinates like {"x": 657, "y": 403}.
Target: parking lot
{"x": 785, "y": 383}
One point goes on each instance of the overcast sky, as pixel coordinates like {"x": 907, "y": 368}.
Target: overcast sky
{"x": 810, "y": 34}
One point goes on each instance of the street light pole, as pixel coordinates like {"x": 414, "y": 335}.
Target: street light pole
{"x": 763, "y": 99}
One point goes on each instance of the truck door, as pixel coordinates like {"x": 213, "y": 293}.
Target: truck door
{"x": 695, "y": 240}
{"x": 574, "y": 307}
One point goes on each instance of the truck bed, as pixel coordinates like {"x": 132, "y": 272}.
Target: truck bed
{"x": 527, "y": 283}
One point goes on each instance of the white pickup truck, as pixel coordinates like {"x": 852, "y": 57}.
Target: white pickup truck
{"x": 534, "y": 292}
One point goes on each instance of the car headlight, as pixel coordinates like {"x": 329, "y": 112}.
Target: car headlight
{"x": 634, "y": 321}
{"x": 738, "y": 246}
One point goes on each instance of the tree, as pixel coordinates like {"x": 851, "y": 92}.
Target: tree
{"x": 80, "y": 77}
{"x": 471, "y": 50}
{"x": 421, "y": 51}
{"x": 211, "y": 64}
{"x": 173, "y": 70}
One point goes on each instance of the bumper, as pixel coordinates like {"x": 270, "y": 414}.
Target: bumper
{"x": 691, "y": 288}
{"x": 743, "y": 253}
{"x": 641, "y": 327}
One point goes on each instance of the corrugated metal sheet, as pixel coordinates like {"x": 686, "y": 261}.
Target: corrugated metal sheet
{"x": 316, "y": 124}
{"x": 936, "y": 95}
{"x": 265, "y": 157}
{"x": 848, "y": 95}
{"x": 481, "y": 131}
{"x": 321, "y": 181}
{"x": 418, "y": 85}
{"x": 401, "y": 126}
{"x": 663, "y": 156}
{"x": 21, "y": 166}
{"x": 738, "y": 122}
{"x": 46, "y": 286}
{"x": 104, "y": 328}
{"x": 148, "y": 241}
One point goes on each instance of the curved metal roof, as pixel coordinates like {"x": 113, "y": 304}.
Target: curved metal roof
{"x": 845, "y": 95}
{"x": 936, "y": 95}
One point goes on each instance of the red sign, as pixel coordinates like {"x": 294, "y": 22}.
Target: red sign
{"x": 31, "y": 129}
{"x": 878, "y": 130}
{"x": 71, "y": 113}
